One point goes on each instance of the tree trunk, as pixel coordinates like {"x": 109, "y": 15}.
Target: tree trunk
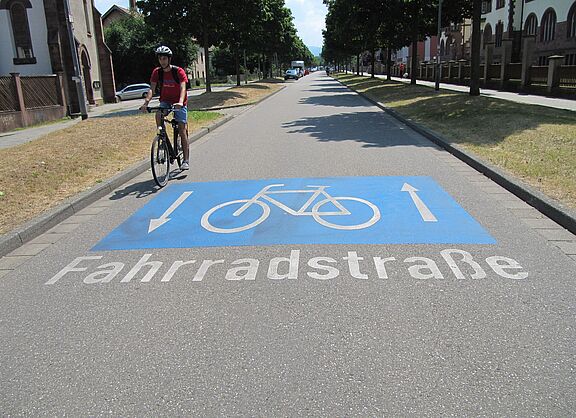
{"x": 237, "y": 56}
{"x": 414, "y": 63}
{"x": 388, "y": 62}
{"x": 475, "y": 64}
{"x": 373, "y": 52}
{"x": 207, "y": 64}
{"x": 414, "y": 60}
{"x": 358, "y": 64}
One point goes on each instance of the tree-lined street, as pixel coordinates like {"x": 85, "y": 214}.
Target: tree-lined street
{"x": 320, "y": 258}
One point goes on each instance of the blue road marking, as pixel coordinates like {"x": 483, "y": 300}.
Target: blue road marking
{"x": 333, "y": 210}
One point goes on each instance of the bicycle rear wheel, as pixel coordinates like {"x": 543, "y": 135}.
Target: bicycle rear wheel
{"x": 160, "y": 161}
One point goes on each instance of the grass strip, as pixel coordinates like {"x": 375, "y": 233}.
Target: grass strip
{"x": 534, "y": 143}
{"x": 40, "y": 174}
{"x": 236, "y": 96}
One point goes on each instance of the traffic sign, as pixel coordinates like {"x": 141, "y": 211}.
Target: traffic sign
{"x": 333, "y": 210}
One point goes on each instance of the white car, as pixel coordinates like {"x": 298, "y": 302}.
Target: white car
{"x": 291, "y": 73}
{"x": 133, "y": 91}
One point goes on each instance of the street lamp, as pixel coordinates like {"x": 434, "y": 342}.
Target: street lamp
{"x": 437, "y": 84}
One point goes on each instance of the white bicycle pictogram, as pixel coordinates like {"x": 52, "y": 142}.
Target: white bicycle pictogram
{"x": 315, "y": 212}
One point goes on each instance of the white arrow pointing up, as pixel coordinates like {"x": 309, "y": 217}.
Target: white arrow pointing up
{"x": 427, "y": 216}
{"x": 157, "y": 223}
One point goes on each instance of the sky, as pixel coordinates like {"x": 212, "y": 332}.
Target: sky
{"x": 309, "y": 16}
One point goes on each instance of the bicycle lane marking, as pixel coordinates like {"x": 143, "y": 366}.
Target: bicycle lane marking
{"x": 333, "y": 210}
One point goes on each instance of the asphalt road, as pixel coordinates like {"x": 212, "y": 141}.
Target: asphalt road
{"x": 449, "y": 303}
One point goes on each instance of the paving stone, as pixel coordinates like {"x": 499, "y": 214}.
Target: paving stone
{"x": 491, "y": 188}
{"x": 29, "y": 249}
{"x": 4, "y": 272}
{"x": 505, "y": 197}
{"x": 542, "y": 223}
{"x": 573, "y": 257}
{"x": 527, "y": 213}
{"x": 47, "y": 239}
{"x": 77, "y": 219}
{"x": 63, "y": 228}
{"x": 569, "y": 248}
{"x": 90, "y": 210}
{"x": 515, "y": 204}
{"x": 105, "y": 202}
{"x": 557, "y": 234}
{"x": 10, "y": 263}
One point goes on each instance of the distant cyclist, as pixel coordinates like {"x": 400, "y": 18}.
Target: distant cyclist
{"x": 172, "y": 85}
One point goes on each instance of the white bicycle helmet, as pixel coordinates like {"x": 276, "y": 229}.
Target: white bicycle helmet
{"x": 164, "y": 50}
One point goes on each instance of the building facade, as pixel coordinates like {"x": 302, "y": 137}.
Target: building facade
{"x": 548, "y": 25}
{"x": 38, "y": 34}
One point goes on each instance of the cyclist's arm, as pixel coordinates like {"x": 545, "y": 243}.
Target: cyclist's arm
{"x": 183, "y": 93}
{"x": 148, "y": 96}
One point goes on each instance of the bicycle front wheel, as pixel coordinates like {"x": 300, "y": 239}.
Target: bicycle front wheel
{"x": 160, "y": 161}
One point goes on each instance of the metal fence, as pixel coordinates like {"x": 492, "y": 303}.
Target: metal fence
{"x": 568, "y": 76}
{"x": 40, "y": 91}
{"x": 515, "y": 71}
{"x": 494, "y": 71}
{"x": 539, "y": 74}
{"x": 8, "y": 96}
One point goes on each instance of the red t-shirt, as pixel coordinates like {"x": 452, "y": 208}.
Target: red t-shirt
{"x": 170, "y": 92}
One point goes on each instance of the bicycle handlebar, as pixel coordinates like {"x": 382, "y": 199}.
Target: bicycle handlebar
{"x": 156, "y": 108}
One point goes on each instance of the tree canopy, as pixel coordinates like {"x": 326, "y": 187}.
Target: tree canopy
{"x": 262, "y": 27}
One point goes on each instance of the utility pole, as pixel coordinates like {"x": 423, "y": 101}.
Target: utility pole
{"x": 438, "y": 66}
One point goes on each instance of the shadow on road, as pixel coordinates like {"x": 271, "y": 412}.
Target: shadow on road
{"x": 374, "y": 129}
{"x": 337, "y": 100}
{"x": 139, "y": 190}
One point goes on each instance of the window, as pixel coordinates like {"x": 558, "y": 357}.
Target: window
{"x": 500, "y": 4}
{"x": 531, "y": 25}
{"x": 87, "y": 17}
{"x": 572, "y": 21}
{"x": 21, "y": 32}
{"x": 548, "y": 26}
{"x": 570, "y": 59}
{"x": 487, "y": 38}
{"x": 542, "y": 60}
{"x": 486, "y": 6}
{"x": 499, "y": 33}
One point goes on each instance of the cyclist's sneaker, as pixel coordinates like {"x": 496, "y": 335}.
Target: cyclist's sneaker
{"x": 185, "y": 166}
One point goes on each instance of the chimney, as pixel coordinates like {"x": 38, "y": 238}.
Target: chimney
{"x": 133, "y": 5}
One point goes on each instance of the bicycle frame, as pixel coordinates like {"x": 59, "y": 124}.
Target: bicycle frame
{"x": 164, "y": 112}
{"x": 265, "y": 195}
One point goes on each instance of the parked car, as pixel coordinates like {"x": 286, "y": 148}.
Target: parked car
{"x": 133, "y": 91}
{"x": 291, "y": 73}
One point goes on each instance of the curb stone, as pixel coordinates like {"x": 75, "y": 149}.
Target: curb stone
{"x": 549, "y": 207}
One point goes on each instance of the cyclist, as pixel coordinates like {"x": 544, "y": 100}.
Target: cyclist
{"x": 172, "y": 81}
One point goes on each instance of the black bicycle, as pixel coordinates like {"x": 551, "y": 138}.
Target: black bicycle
{"x": 163, "y": 152}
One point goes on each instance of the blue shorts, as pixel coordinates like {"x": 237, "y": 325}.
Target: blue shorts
{"x": 181, "y": 115}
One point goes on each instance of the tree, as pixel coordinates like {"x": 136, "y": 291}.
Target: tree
{"x": 179, "y": 19}
{"x": 131, "y": 40}
{"x": 238, "y": 32}
{"x": 475, "y": 64}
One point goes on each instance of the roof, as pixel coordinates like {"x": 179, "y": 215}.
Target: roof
{"x": 117, "y": 9}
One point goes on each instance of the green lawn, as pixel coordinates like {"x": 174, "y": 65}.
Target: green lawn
{"x": 534, "y": 143}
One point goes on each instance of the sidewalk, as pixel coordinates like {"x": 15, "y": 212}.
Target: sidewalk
{"x": 532, "y": 99}
{"x": 21, "y": 136}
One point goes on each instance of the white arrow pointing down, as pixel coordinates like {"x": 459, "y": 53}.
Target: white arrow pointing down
{"x": 425, "y": 213}
{"x": 158, "y": 222}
